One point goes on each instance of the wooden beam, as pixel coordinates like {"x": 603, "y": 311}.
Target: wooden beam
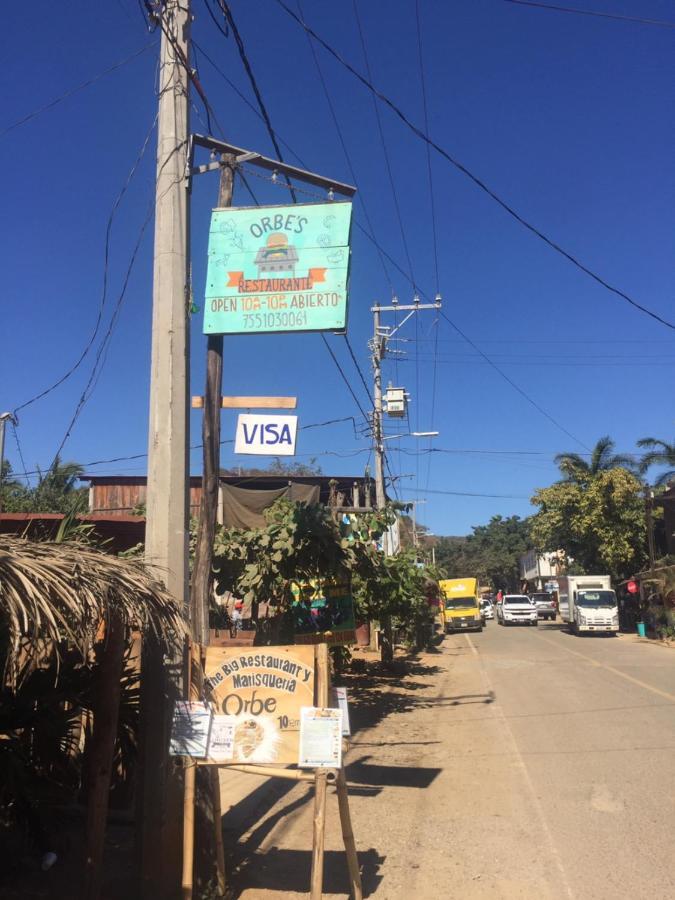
{"x": 100, "y": 754}
{"x": 250, "y": 402}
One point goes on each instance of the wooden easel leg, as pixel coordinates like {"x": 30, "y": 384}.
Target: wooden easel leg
{"x": 348, "y": 836}
{"x": 189, "y": 830}
{"x": 218, "y": 825}
{"x": 320, "y": 784}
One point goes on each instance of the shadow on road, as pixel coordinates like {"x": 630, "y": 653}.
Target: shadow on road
{"x": 289, "y": 870}
{"x": 362, "y": 772}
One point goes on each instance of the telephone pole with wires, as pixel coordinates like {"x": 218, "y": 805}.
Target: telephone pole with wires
{"x": 166, "y": 528}
{"x": 378, "y": 347}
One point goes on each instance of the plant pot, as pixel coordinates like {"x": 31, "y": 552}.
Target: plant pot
{"x": 641, "y": 629}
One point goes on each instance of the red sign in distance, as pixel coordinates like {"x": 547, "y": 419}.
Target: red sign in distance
{"x": 632, "y": 587}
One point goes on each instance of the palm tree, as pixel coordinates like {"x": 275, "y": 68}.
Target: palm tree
{"x": 575, "y": 468}
{"x": 659, "y": 453}
{"x": 57, "y": 491}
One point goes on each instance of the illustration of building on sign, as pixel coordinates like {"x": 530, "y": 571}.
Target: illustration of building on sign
{"x": 276, "y": 256}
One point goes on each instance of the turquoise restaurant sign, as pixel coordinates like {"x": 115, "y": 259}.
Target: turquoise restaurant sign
{"x": 278, "y": 268}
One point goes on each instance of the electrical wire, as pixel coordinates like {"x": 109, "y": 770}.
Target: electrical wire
{"x": 471, "y": 494}
{"x": 358, "y": 369}
{"x": 133, "y": 456}
{"x": 227, "y": 13}
{"x": 101, "y": 355}
{"x": 433, "y": 224}
{"x": 52, "y": 103}
{"x": 18, "y": 444}
{"x": 343, "y": 144}
{"x": 385, "y": 151}
{"x": 588, "y": 12}
{"x": 106, "y": 262}
{"x": 427, "y": 146}
{"x": 344, "y": 377}
{"x": 513, "y": 384}
{"x": 474, "y": 178}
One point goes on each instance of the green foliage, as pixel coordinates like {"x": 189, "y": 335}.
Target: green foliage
{"x": 575, "y": 468}
{"x": 299, "y": 542}
{"x": 42, "y": 757}
{"x": 490, "y": 553}
{"x": 55, "y": 492}
{"x": 659, "y": 453}
{"x": 302, "y": 541}
{"x": 600, "y": 522}
{"x": 278, "y": 466}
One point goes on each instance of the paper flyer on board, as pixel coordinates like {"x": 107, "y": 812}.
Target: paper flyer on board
{"x": 320, "y": 738}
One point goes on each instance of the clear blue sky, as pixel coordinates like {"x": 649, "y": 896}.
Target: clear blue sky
{"x": 569, "y": 118}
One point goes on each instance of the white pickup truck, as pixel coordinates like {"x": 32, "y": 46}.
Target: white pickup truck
{"x": 516, "y": 608}
{"x": 588, "y": 603}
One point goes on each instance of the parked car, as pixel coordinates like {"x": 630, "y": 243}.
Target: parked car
{"x": 516, "y": 608}
{"x": 545, "y": 605}
{"x": 487, "y": 610}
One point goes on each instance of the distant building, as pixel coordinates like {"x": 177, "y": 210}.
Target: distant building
{"x": 537, "y": 570}
{"x": 242, "y": 499}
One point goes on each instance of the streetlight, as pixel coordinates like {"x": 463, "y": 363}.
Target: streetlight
{"x": 416, "y": 434}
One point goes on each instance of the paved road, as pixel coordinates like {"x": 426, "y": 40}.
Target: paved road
{"x": 517, "y": 763}
{"x": 583, "y": 732}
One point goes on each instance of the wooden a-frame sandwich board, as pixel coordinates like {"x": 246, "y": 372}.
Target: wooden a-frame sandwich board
{"x": 231, "y": 677}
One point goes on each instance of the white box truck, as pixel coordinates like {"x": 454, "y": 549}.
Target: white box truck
{"x": 588, "y": 603}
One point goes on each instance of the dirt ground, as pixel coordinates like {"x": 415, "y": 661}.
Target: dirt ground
{"x": 507, "y": 765}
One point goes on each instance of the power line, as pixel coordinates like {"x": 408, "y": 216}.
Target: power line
{"x": 18, "y": 445}
{"x": 358, "y": 369}
{"x": 428, "y": 148}
{"x": 420, "y": 133}
{"x": 227, "y": 13}
{"x": 385, "y": 151}
{"x": 433, "y": 228}
{"x": 69, "y": 93}
{"x": 513, "y": 384}
{"x": 471, "y": 494}
{"x": 344, "y": 377}
{"x": 99, "y": 361}
{"x": 588, "y": 12}
{"x": 134, "y": 456}
{"x": 343, "y": 144}
{"x": 104, "y": 293}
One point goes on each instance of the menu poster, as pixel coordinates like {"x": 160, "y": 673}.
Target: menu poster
{"x": 320, "y": 738}
{"x": 340, "y": 701}
{"x": 190, "y": 729}
{"x": 221, "y": 742}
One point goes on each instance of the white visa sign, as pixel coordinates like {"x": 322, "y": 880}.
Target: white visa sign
{"x": 266, "y": 435}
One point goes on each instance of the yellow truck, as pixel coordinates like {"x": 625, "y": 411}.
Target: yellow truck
{"x": 461, "y": 605}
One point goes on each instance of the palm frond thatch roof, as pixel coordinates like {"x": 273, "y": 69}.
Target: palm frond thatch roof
{"x": 53, "y": 595}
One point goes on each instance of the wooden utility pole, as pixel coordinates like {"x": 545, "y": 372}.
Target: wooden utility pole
{"x": 166, "y": 529}
{"x": 378, "y": 341}
{"x": 202, "y": 579}
{"x": 166, "y": 534}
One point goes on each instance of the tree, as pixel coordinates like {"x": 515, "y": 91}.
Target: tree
{"x": 55, "y": 492}
{"x": 575, "y": 468}
{"x": 491, "y": 553}
{"x": 660, "y": 453}
{"x": 279, "y": 467}
{"x": 15, "y": 496}
{"x": 600, "y": 523}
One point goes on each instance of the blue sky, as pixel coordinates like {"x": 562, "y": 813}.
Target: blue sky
{"x": 568, "y": 118}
